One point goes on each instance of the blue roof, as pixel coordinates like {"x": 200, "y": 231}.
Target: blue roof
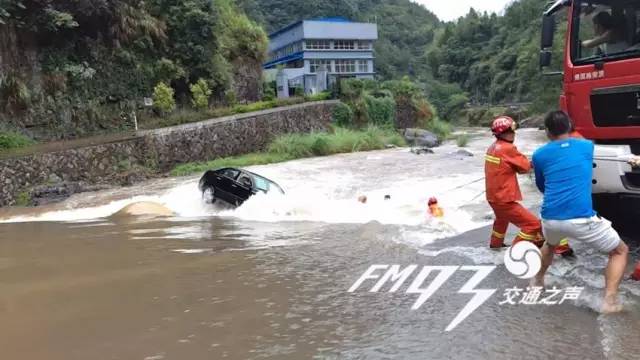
{"x": 297, "y": 56}
{"x": 335, "y": 19}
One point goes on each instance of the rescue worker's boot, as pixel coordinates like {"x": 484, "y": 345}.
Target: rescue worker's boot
{"x": 497, "y": 240}
{"x": 563, "y": 249}
{"x": 636, "y": 274}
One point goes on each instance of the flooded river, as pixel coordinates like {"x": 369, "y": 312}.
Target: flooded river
{"x": 270, "y": 280}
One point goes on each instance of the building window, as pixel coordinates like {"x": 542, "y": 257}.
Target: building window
{"x": 286, "y": 51}
{"x": 318, "y": 45}
{"x": 345, "y": 66}
{"x": 344, "y": 44}
{"x": 314, "y": 65}
{"x": 363, "y": 66}
{"x": 364, "y": 45}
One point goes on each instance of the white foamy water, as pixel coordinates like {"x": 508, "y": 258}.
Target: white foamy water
{"x": 325, "y": 190}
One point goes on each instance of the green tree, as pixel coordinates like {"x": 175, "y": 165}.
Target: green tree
{"x": 200, "y": 94}
{"x": 163, "y": 99}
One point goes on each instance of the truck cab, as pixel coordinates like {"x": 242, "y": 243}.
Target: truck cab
{"x": 601, "y": 93}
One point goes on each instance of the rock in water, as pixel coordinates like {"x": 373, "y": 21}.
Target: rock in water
{"x": 532, "y": 122}
{"x": 47, "y": 194}
{"x": 463, "y": 153}
{"x": 144, "y": 208}
{"x": 421, "y": 138}
{"x": 420, "y": 151}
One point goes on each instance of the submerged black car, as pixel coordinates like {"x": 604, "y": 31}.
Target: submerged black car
{"x": 234, "y": 186}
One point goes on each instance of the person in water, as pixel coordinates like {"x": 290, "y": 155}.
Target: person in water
{"x": 434, "y": 209}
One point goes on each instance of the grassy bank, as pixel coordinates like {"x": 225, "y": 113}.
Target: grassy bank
{"x": 12, "y": 140}
{"x": 297, "y": 146}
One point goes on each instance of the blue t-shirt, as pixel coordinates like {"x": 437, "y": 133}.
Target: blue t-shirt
{"x": 564, "y": 171}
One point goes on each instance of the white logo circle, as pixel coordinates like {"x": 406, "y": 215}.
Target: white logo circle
{"x": 523, "y": 260}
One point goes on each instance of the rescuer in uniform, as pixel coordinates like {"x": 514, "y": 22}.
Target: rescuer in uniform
{"x": 503, "y": 162}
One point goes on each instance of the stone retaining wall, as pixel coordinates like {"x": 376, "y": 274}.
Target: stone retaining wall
{"x": 161, "y": 149}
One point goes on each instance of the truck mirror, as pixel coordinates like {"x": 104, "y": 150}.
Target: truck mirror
{"x": 548, "y": 30}
{"x": 545, "y": 58}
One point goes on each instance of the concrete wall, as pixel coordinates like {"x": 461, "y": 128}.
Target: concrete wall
{"x": 340, "y": 30}
{"x": 161, "y": 149}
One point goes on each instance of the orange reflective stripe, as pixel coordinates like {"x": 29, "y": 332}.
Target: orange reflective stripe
{"x": 492, "y": 159}
{"x": 527, "y": 236}
{"x": 498, "y": 235}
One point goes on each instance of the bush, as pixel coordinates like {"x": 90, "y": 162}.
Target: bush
{"x": 163, "y": 99}
{"x": 23, "y": 199}
{"x": 462, "y": 140}
{"x": 14, "y": 93}
{"x": 13, "y": 140}
{"x": 268, "y": 91}
{"x": 441, "y": 129}
{"x": 256, "y": 106}
{"x": 298, "y": 92}
{"x": 325, "y": 95}
{"x": 381, "y": 111}
{"x": 340, "y": 141}
{"x": 200, "y": 94}
{"x": 343, "y": 115}
{"x": 230, "y": 98}
{"x": 454, "y": 105}
{"x": 351, "y": 89}
{"x": 424, "y": 111}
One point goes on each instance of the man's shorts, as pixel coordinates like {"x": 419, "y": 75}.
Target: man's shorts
{"x": 596, "y": 232}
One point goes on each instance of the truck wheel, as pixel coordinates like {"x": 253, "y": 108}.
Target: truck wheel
{"x": 615, "y": 209}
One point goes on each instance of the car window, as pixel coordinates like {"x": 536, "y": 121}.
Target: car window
{"x": 262, "y": 183}
{"x": 230, "y": 173}
{"x": 245, "y": 180}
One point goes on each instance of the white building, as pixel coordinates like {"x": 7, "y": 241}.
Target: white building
{"x": 344, "y": 48}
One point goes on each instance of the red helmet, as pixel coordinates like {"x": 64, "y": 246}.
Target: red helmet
{"x": 502, "y": 125}
{"x": 433, "y": 201}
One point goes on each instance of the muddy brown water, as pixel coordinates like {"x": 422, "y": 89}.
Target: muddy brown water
{"x": 242, "y": 287}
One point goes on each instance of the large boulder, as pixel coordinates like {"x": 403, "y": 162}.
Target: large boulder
{"x": 421, "y": 138}
{"x": 144, "y": 208}
{"x": 536, "y": 122}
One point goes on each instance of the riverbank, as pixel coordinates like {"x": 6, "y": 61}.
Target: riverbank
{"x": 65, "y": 167}
{"x": 297, "y": 146}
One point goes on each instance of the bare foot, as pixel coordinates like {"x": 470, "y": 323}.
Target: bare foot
{"x": 536, "y": 282}
{"x": 611, "y": 306}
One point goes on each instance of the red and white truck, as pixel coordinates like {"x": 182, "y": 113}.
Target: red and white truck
{"x": 601, "y": 93}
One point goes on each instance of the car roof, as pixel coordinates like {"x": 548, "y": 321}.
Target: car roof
{"x": 247, "y": 172}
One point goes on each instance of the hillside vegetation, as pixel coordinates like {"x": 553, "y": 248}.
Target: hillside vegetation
{"x": 76, "y": 68}
{"x": 478, "y": 59}
{"x": 82, "y": 66}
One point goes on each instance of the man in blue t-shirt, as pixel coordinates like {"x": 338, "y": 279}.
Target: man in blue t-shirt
{"x": 564, "y": 170}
